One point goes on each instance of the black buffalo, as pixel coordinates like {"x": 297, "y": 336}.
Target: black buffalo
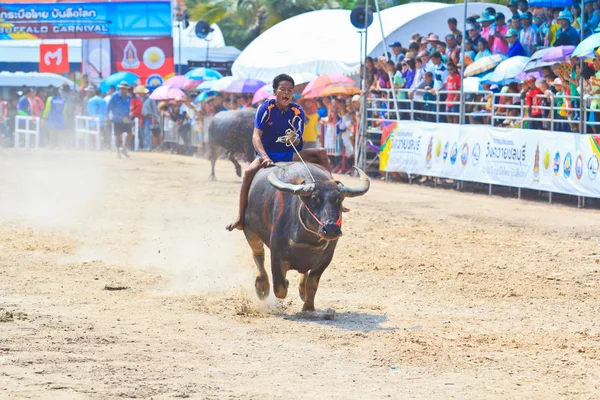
{"x": 300, "y": 221}
{"x": 231, "y": 130}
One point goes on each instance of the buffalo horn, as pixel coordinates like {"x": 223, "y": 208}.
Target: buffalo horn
{"x": 359, "y": 190}
{"x": 300, "y": 190}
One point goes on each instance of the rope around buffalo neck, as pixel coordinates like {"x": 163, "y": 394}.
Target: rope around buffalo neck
{"x": 292, "y": 133}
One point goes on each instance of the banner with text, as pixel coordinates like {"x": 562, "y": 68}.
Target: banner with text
{"x": 84, "y": 20}
{"x": 151, "y": 60}
{"x": 556, "y": 162}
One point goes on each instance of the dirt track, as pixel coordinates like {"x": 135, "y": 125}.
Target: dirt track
{"x": 438, "y": 294}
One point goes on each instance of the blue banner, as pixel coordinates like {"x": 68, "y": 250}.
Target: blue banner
{"x": 85, "y": 20}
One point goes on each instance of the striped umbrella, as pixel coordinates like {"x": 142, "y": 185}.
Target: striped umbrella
{"x": 484, "y": 64}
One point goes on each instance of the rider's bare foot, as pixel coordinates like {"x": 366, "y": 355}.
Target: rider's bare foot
{"x": 238, "y": 224}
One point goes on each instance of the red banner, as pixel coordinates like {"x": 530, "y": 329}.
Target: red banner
{"x": 151, "y": 59}
{"x": 54, "y": 58}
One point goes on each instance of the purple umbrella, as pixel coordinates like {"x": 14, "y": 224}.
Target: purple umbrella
{"x": 244, "y": 86}
{"x": 526, "y": 75}
{"x": 559, "y": 53}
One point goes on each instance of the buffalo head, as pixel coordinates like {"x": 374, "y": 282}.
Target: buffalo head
{"x": 323, "y": 202}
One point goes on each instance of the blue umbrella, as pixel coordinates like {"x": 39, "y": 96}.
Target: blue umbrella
{"x": 117, "y": 78}
{"x": 587, "y": 46}
{"x": 204, "y": 95}
{"x": 202, "y": 74}
{"x": 206, "y": 85}
{"x": 551, "y": 3}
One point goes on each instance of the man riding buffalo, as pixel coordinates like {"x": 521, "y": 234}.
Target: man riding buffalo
{"x": 273, "y": 118}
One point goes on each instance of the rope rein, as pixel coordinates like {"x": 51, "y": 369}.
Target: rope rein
{"x": 290, "y": 137}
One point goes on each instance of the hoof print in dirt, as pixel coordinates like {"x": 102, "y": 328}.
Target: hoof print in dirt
{"x": 113, "y": 287}
{"x": 8, "y": 316}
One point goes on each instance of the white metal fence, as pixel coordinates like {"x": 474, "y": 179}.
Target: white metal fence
{"x": 84, "y": 128}
{"x": 27, "y": 127}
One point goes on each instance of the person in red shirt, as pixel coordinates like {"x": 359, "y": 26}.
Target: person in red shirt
{"x": 453, "y": 99}
{"x": 533, "y": 102}
{"x": 135, "y": 107}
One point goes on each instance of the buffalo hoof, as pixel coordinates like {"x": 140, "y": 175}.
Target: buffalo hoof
{"x": 238, "y": 171}
{"x": 308, "y": 308}
{"x": 262, "y": 288}
{"x": 212, "y": 178}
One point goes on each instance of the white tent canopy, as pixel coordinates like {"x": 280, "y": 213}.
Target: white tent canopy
{"x": 325, "y": 41}
{"x": 32, "y": 79}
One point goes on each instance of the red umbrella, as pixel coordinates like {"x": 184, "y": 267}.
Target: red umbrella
{"x": 315, "y": 87}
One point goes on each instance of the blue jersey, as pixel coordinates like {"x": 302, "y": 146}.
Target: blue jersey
{"x": 273, "y": 124}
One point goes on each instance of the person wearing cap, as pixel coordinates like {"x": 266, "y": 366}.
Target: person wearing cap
{"x": 527, "y": 35}
{"x": 515, "y": 22}
{"x": 118, "y": 109}
{"x": 497, "y": 40}
{"x": 452, "y": 26}
{"x": 513, "y": 6}
{"x": 397, "y": 52}
{"x": 533, "y": 102}
{"x": 486, "y": 22}
{"x": 566, "y": 35}
{"x": 515, "y": 49}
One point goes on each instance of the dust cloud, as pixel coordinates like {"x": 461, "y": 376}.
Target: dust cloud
{"x": 173, "y": 229}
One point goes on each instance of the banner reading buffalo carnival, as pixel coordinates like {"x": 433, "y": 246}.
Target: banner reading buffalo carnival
{"x": 550, "y": 161}
{"x": 84, "y": 20}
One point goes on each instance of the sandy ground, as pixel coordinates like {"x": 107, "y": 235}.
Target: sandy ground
{"x": 438, "y": 294}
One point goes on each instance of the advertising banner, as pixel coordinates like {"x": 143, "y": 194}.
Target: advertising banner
{"x": 84, "y": 20}
{"x": 151, "y": 60}
{"x": 556, "y": 162}
{"x": 54, "y": 58}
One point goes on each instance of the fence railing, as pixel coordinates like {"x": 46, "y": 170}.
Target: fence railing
{"x": 27, "y": 127}
{"x": 84, "y": 128}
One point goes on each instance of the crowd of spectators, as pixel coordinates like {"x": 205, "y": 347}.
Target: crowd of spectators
{"x": 424, "y": 71}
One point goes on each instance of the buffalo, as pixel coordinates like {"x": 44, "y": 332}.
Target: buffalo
{"x": 231, "y": 130}
{"x": 299, "y": 220}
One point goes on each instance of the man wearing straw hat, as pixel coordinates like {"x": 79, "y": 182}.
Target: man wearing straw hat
{"x": 119, "y": 107}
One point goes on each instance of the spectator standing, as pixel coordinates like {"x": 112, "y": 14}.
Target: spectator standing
{"x": 527, "y": 35}
{"x": 533, "y": 102}
{"x": 590, "y": 18}
{"x": 96, "y": 107}
{"x": 566, "y": 35}
{"x": 515, "y": 46}
{"x": 497, "y": 40}
{"x": 69, "y": 107}
{"x": 453, "y": 49}
{"x": 397, "y": 55}
{"x": 135, "y": 109}
{"x": 24, "y": 105}
{"x": 37, "y": 103}
{"x": 486, "y": 22}
{"x": 473, "y": 31}
{"x": 56, "y": 119}
{"x": 151, "y": 123}
{"x": 453, "y": 99}
{"x": 3, "y": 120}
{"x": 119, "y": 113}
{"x": 452, "y": 25}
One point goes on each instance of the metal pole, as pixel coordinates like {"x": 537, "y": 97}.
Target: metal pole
{"x": 365, "y": 94}
{"x": 362, "y": 86}
{"x": 179, "y": 64}
{"x": 387, "y": 58}
{"x": 581, "y": 102}
{"x": 462, "y": 69}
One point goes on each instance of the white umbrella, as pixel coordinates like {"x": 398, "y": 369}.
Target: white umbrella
{"x": 509, "y": 69}
{"x": 222, "y": 83}
{"x": 303, "y": 77}
{"x": 32, "y": 79}
{"x": 536, "y": 63}
{"x": 472, "y": 85}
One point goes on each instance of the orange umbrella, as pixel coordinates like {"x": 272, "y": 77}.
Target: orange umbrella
{"x": 314, "y": 88}
{"x": 339, "y": 89}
